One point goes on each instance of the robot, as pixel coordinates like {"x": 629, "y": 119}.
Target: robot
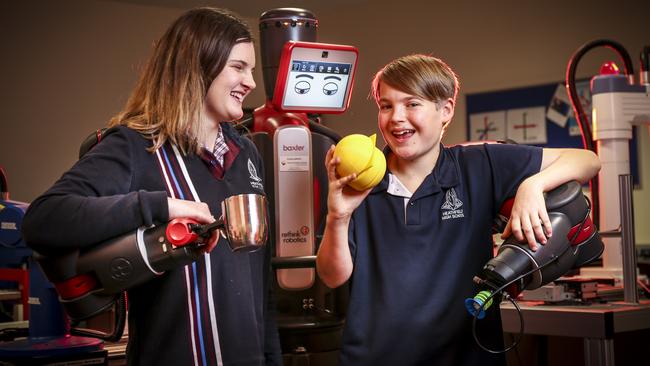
{"x": 91, "y": 282}
{"x": 302, "y": 80}
{"x": 618, "y": 104}
{"x": 575, "y": 243}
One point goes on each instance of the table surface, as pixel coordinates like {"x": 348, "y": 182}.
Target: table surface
{"x": 585, "y": 321}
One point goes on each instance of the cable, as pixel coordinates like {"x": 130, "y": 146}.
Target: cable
{"x": 515, "y": 342}
{"x": 583, "y": 122}
{"x": 509, "y": 298}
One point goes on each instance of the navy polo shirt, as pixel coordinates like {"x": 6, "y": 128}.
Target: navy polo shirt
{"x": 414, "y": 264}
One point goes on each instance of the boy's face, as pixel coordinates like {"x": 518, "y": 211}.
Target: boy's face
{"x": 410, "y": 125}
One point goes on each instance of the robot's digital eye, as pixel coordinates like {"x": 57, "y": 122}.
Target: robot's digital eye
{"x": 330, "y": 88}
{"x": 302, "y": 87}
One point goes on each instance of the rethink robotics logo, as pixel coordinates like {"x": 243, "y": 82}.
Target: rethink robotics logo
{"x": 295, "y": 237}
{"x": 256, "y": 181}
{"x": 451, "y": 209}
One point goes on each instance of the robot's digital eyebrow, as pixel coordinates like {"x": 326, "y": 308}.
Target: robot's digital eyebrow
{"x": 333, "y": 77}
{"x": 304, "y": 76}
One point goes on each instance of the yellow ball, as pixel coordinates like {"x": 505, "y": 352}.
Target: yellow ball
{"x": 359, "y": 155}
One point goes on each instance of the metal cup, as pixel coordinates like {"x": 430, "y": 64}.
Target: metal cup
{"x": 245, "y": 223}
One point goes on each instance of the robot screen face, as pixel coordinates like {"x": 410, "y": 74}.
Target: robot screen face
{"x": 315, "y": 77}
{"x": 317, "y": 84}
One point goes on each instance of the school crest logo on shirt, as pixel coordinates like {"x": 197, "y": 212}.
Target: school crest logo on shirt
{"x": 256, "y": 181}
{"x": 452, "y": 207}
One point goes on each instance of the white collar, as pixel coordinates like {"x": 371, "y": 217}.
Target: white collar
{"x": 396, "y": 188}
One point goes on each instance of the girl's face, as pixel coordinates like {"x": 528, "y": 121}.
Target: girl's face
{"x": 226, "y": 94}
{"x": 410, "y": 125}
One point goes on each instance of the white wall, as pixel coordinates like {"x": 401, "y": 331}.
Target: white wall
{"x": 68, "y": 65}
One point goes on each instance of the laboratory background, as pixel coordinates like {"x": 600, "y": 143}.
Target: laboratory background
{"x": 68, "y": 66}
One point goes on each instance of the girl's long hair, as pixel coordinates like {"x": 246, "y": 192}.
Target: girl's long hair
{"x": 167, "y": 101}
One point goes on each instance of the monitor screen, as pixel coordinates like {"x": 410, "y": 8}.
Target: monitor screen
{"x": 315, "y": 77}
{"x": 318, "y": 84}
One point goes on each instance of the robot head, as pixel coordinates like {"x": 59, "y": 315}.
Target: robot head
{"x": 277, "y": 27}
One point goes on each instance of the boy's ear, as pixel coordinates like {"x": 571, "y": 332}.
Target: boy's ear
{"x": 448, "y": 111}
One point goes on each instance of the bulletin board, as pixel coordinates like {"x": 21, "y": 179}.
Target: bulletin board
{"x": 538, "y": 115}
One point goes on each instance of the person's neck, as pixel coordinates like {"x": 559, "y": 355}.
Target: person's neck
{"x": 413, "y": 172}
{"x": 208, "y": 134}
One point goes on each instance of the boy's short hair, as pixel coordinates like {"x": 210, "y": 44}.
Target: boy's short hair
{"x": 422, "y": 75}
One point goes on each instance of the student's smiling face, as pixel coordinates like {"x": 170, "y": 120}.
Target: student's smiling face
{"x": 226, "y": 94}
{"x": 412, "y": 126}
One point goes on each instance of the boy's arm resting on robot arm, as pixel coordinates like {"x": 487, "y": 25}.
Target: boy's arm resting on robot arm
{"x": 334, "y": 261}
{"x": 529, "y": 220}
{"x": 563, "y": 165}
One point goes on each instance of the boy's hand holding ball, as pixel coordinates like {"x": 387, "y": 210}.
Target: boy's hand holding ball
{"x": 359, "y": 155}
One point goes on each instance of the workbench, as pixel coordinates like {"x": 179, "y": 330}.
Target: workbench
{"x": 596, "y": 324}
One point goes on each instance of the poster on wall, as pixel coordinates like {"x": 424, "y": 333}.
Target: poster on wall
{"x": 488, "y": 126}
{"x": 527, "y": 125}
{"x": 584, "y": 94}
{"x": 537, "y": 115}
{"x": 559, "y": 110}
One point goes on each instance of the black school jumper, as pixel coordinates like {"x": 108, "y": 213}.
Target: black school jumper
{"x": 215, "y": 311}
